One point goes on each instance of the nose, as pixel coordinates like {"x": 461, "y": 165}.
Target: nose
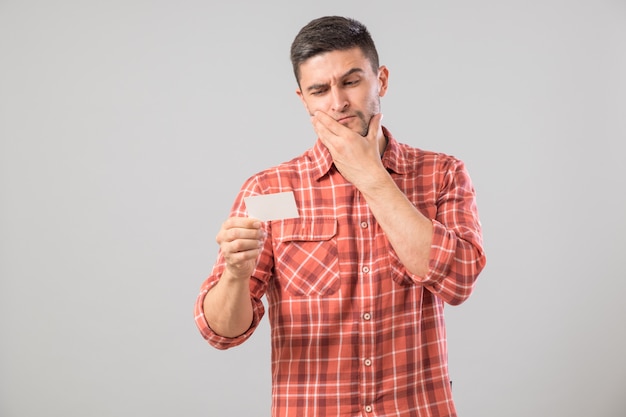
{"x": 339, "y": 100}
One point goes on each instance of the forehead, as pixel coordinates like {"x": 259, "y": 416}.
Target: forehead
{"x": 329, "y": 66}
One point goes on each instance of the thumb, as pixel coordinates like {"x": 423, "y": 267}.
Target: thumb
{"x": 374, "y": 126}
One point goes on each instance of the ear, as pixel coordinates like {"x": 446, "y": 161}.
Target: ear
{"x": 383, "y": 80}
{"x": 299, "y": 94}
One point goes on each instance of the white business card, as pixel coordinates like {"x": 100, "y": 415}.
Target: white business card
{"x": 272, "y": 206}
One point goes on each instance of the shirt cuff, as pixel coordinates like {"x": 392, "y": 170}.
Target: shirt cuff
{"x": 441, "y": 256}
{"x": 214, "y": 339}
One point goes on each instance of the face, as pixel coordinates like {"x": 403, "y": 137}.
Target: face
{"x": 343, "y": 85}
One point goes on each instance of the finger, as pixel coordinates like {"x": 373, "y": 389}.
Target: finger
{"x": 332, "y": 133}
{"x": 323, "y": 132}
{"x": 242, "y": 245}
{"x": 229, "y": 236}
{"x": 240, "y": 228}
{"x": 327, "y": 124}
{"x": 239, "y": 259}
{"x": 327, "y": 137}
{"x": 242, "y": 222}
{"x": 241, "y": 251}
{"x": 242, "y": 262}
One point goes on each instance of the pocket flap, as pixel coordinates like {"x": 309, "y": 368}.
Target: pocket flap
{"x": 302, "y": 229}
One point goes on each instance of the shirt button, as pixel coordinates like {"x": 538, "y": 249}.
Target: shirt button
{"x": 367, "y": 362}
{"x": 367, "y": 316}
{"x": 366, "y": 269}
{"x": 364, "y": 225}
{"x": 368, "y": 408}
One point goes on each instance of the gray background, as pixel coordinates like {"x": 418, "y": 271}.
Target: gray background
{"x": 127, "y": 128}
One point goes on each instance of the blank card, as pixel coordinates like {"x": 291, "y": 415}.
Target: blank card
{"x": 272, "y": 206}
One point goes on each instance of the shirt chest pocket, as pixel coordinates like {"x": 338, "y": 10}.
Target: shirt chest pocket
{"x": 306, "y": 256}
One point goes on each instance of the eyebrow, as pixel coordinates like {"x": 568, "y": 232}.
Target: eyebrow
{"x": 324, "y": 85}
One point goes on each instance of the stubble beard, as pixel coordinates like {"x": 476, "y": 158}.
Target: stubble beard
{"x": 374, "y": 108}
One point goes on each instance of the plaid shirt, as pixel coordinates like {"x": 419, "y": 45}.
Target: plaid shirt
{"x": 352, "y": 331}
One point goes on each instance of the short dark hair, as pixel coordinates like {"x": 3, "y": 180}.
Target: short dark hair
{"x": 331, "y": 33}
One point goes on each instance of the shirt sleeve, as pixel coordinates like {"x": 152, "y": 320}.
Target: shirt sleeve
{"x": 456, "y": 255}
{"x": 258, "y": 283}
{"x": 214, "y": 339}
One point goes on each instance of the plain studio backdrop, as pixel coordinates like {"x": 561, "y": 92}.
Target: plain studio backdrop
{"x": 127, "y": 128}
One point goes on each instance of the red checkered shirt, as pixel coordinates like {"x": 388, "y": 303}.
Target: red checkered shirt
{"x": 352, "y": 331}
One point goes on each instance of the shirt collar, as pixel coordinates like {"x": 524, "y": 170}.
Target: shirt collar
{"x": 393, "y": 159}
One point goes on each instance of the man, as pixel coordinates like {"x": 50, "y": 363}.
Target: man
{"x": 356, "y": 284}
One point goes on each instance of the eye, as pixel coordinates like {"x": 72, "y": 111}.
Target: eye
{"x": 318, "y": 92}
{"x": 351, "y": 82}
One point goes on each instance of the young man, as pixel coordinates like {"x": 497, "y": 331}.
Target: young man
{"x": 356, "y": 284}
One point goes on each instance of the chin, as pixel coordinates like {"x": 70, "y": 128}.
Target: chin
{"x": 362, "y": 130}
{"x": 357, "y": 125}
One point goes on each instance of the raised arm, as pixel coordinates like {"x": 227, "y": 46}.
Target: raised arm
{"x": 227, "y": 306}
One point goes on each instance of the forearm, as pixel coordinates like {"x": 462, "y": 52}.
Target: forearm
{"x": 409, "y": 231}
{"x": 228, "y": 307}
